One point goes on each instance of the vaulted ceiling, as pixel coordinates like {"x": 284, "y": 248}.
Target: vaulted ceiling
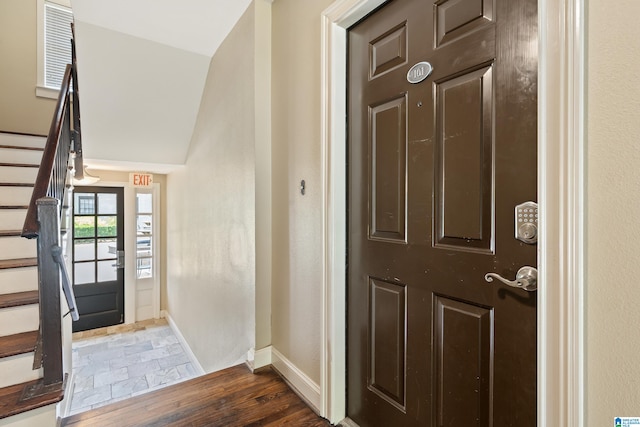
{"x": 142, "y": 66}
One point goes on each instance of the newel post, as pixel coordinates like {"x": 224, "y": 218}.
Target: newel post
{"x": 49, "y": 288}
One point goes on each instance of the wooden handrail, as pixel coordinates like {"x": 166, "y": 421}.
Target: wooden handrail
{"x": 77, "y": 134}
{"x": 43, "y": 180}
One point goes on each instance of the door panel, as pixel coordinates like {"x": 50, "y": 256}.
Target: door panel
{"x": 388, "y": 327}
{"x": 98, "y": 238}
{"x": 462, "y": 367}
{"x": 388, "y": 152}
{"x": 464, "y": 168}
{"x": 389, "y": 50}
{"x": 455, "y": 19}
{"x": 435, "y": 171}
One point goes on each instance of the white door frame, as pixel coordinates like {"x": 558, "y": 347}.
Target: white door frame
{"x": 561, "y": 155}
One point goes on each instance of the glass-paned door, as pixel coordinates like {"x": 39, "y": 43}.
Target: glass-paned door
{"x": 98, "y": 256}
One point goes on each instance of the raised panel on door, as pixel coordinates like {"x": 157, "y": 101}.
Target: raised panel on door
{"x": 387, "y": 142}
{"x": 463, "y": 348}
{"x": 456, "y": 18}
{"x": 387, "y": 331}
{"x": 388, "y": 51}
{"x": 464, "y": 155}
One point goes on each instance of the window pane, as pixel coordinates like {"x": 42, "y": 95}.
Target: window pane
{"x": 144, "y": 202}
{"x": 144, "y": 225}
{"x": 84, "y": 250}
{"x": 84, "y": 204}
{"x": 107, "y": 248}
{"x": 144, "y": 270}
{"x": 107, "y": 272}
{"x": 107, "y": 226}
{"x": 107, "y": 204}
{"x": 84, "y": 273}
{"x": 144, "y": 246}
{"x": 84, "y": 226}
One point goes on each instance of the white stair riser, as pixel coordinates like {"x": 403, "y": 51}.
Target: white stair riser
{"x": 20, "y": 196}
{"x": 18, "y": 280}
{"x": 17, "y": 247}
{"x": 15, "y": 320}
{"x": 12, "y": 219}
{"x": 12, "y": 155}
{"x": 18, "y": 175}
{"x": 22, "y": 140}
{"x": 18, "y": 369}
{"x": 45, "y": 416}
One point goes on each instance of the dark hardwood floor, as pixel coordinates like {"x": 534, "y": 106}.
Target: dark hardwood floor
{"x": 232, "y": 397}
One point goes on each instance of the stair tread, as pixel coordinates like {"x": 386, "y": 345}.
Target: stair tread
{"x": 17, "y": 299}
{"x": 11, "y": 402}
{"x": 12, "y": 345}
{"x": 19, "y": 165}
{"x": 18, "y": 262}
{"x": 14, "y": 207}
{"x": 10, "y": 233}
{"x": 18, "y": 147}
{"x": 15, "y": 184}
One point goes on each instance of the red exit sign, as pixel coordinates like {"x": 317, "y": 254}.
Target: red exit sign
{"x": 141, "y": 179}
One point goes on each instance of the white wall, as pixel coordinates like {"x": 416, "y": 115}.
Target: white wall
{"x": 613, "y": 227}
{"x": 139, "y": 98}
{"x": 210, "y": 212}
{"x": 297, "y": 219}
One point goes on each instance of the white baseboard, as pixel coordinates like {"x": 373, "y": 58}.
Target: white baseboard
{"x": 304, "y": 385}
{"x": 348, "y": 422}
{"x": 257, "y": 359}
{"x": 194, "y": 360}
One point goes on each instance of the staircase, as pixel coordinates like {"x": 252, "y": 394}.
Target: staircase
{"x": 19, "y": 159}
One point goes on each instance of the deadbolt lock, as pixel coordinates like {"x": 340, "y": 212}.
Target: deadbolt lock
{"x": 526, "y": 221}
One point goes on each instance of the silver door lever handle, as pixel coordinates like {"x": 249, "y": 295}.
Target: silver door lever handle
{"x": 526, "y": 278}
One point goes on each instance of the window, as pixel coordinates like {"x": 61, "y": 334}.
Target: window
{"x": 144, "y": 235}
{"x": 85, "y": 204}
{"x": 54, "y": 45}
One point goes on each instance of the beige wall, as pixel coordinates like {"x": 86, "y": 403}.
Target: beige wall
{"x": 297, "y": 219}
{"x": 20, "y": 109}
{"x": 613, "y": 199}
{"x": 210, "y": 212}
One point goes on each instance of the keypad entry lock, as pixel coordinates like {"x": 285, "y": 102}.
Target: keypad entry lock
{"x": 527, "y": 222}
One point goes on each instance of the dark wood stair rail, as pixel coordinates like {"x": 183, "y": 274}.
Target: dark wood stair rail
{"x": 43, "y": 222}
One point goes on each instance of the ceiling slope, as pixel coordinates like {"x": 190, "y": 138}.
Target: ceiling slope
{"x": 142, "y": 66}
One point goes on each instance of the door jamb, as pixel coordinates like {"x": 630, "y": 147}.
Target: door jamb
{"x": 561, "y": 183}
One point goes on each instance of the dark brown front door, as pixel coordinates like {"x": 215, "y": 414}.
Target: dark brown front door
{"x": 436, "y": 170}
{"x": 98, "y": 243}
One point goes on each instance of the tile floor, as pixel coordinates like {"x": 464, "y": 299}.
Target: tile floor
{"x": 115, "y": 363}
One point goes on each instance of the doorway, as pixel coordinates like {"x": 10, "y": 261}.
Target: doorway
{"x": 98, "y": 256}
{"x": 436, "y": 171}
